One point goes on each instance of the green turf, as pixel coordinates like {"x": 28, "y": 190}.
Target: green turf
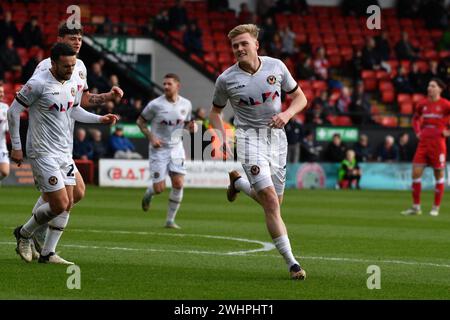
{"x": 335, "y": 234}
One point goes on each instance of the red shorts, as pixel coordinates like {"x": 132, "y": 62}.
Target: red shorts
{"x": 431, "y": 152}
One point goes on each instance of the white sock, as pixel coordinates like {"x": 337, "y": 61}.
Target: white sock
{"x": 242, "y": 184}
{"x": 175, "y": 197}
{"x": 149, "y": 192}
{"x": 40, "y": 201}
{"x": 55, "y": 230}
{"x": 284, "y": 248}
{"x": 41, "y": 216}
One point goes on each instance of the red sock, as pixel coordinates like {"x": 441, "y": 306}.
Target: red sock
{"x": 416, "y": 189}
{"x": 438, "y": 193}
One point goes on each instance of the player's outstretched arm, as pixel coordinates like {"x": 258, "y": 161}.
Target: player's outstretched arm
{"x": 297, "y": 105}
{"x": 14, "y": 112}
{"x": 215, "y": 119}
{"x": 81, "y": 115}
{"x": 90, "y": 99}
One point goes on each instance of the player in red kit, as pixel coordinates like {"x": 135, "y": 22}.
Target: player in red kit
{"x": 430, "y": 121}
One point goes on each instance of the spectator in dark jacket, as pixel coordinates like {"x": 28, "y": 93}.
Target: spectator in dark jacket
{"x": 310, "y": 149}
{"x": 192, "y": 39}
{"x": 97, "y": 79}
{"x": 32, "y": 34}
{"x": 382, "y": 46}
{"x": 401, "y": 81}
{"x": 9, "y": 56}
{"x": 8, "y": 28}
{"x": 294, "y": 130}
{"x": 98, "y": 146}
{"x": 121, "y": 147}
{"x": 335, "y": 151}
{"x": 363, "y": 151}
{"x": 405, "y": 50}
{"x": 370, "y": 57}
{"x": 404, "y": 149}
{"x": 388, "y": 151}
{"x": 178, "y": 15}
{"x": 82, "y": 148}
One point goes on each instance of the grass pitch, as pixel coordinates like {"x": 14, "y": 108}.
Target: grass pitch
{"x": 223, "y": 249}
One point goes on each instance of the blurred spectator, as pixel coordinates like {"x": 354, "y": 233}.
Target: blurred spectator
{"x": 82, "y": 148}
{"x": 432, "y": 72}
{"x": 316, "y": 114}
{"x": 109, "y": 107}
{"x": 32, "y": 34}
{"x": 401, "y": 81}
{"x": 275, "y": 47}
{"x": 218, "y": 5}
{"x": 9, "y": 56}
{"x": 404, "y": 48}
{"x": 382, "y": 46}
{"x": 268, "y": 30}
{"x": 8, "y": 28}
{"x": 294, "y": 130}
{"x": 417, "y": 79}
{"x": 31, "y": 65}
{"x": 344, "y": 101}
{"x": 310, "y": 149}
{"x": 162, "y": 21}
{"x": 360, "y": 105}
{"x": 408, "y": 8}
{"x": 356, "y": 65}
{"x": 321, "y": 64}
{"x": 121, "y": 147}
{"x": 192, "y": 39}
{"x": 370, "y": 56}
{"x": 178, "y": 15}
{"x": 305, "y": 70}
{"x": 98, "y": 146}
{"x": 388, "y": 151}
{"x": 149, "y": 27}
{"x": 434, "y": 13}
{"x": 404, "y": 149}
{"x": 264, "y": 7}
{"x": 335, "y": 151}
{"x": 363, "y": 151}
{"x": 113, "y": 81}
{"x": 349, "y": 173}
{"x": 288, "y": 40}
{"x": 245, "y": 15}
{"x": 132, "y": 113}
{"x": 97, "y": 79}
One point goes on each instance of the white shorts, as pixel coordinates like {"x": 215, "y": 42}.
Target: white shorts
{"x": 53, "y": 174}
{"x": 4, "y": 156}
{"x": 165, "y": 161}
{"x": 263, "y": 154}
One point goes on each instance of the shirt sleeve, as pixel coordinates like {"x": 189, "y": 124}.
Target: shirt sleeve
{"x": 189, "y": 112}
{"x": 149, "y": 111}
{"x": 29, "y": 93}
{"x": 83, "y": 75}
{"x": 288, "y": 83}
{"x": 220, "y": 97}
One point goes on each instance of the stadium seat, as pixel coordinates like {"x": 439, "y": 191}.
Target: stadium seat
{"x": 369, "y": 80}
{"x": 388, "y": 96}
{"x": 388, "y": 121}
{"x": 385, "y": 85}
{"x": 403, "y": 97}
{"x": 416, "y": 97}
{"x": 406, "y": 108}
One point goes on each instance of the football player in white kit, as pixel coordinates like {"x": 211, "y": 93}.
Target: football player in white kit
{"x": 168, "y": 114}
{"x": 50, "y": 97}
{"x": 74, "y": 38}
{"x": 4, "y": 157}
{"x": 253, "y": 86}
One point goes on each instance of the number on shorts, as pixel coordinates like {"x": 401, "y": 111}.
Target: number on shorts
{"x": 70, "y": 173}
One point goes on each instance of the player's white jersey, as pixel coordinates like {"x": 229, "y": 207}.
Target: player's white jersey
{"x": 167, "y": 118}
{"x": 255, "y": 98}
{"x": 49, "y": 104}
{"x": 3, "y": 126}
{"x": 79, "y": 75}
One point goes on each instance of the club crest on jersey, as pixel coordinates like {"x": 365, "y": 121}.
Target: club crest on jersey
{"x": 72, "y": 92}
{"x": 53, "y": 180}
{"x": 271, "y": 79}
{"x": 254, "y": 170}
{"x": 81, "y": 74}
{"x": 183, "y": 112}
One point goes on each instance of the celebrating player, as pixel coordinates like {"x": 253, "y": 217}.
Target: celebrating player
{"x": 168, "y": 115}
{"x": 430, "y": 120}
{"x": 253, "y": 87}
{"x": 73, "y": 37}
{"x": 4, "y": 158}
{"x": 50, "y": 97}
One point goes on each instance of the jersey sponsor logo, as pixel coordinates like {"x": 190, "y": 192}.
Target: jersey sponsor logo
{"x": 55, "y": 93}
{"x": 271, "y": 79}
{"x": 172, "y": 123}
{"x": 238, "y": 87}
{"x": 255, "y": 170}
{"x": 61, "y": 108}
{"x": 53, "y": 180}
{"x": 81, "y": 74}
{"x": 266, "y": 97}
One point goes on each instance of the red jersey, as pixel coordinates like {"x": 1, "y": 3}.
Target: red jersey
{"x": 431, "y": 118}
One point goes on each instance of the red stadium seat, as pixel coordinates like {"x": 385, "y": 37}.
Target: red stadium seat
{"x": 403, "y": 97}
{"x": 388, "y": 121}
{"x": 385, "y": 85}
{"x": 416, "y": 97}
{"x": 319, "y": 85}
{"x": 369, "y": 80}
{"x": 406, "y": 108}
{"x": 388, "y": 96}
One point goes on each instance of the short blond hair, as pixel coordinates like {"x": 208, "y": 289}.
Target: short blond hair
{"x": 252, "y": 29}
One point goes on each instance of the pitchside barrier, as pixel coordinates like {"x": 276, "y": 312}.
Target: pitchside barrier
{"x": 214, "y": 174}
